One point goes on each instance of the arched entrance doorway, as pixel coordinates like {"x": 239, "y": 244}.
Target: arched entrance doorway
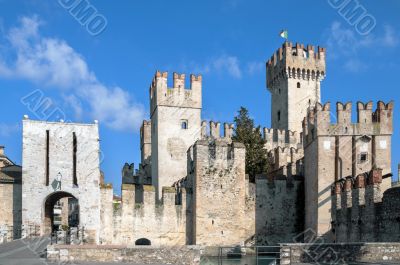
{"x": 60, "y": 209}
{"x": 143, "y": 242}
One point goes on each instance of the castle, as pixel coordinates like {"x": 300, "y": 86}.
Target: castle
{"x": 191, "y": 186}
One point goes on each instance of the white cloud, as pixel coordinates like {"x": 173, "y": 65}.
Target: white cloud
{"x": 355, "y": 66}
{"x": 8, "y": 129}
{"x": 255, "y": 67}
{"x": 229, "y": 64}
{"x": 349, "y": 41}
{"x": 391, "y": 38}
{"x": 223, "y": 65}
{"x": 53, "y": 63}
{"x": 346, "y": 44}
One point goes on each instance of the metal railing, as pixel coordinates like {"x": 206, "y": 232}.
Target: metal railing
{"x": 257, "y": 255}
{"x": 70, "y": 236}
{"x": 11, "y": 233}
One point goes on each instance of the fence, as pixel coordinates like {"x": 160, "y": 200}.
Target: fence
{"x": 70, "y": 236}
{"x": 9, "y": 233}
{"x": 257, "y": 255}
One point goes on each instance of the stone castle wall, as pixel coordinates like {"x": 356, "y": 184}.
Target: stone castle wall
{"x": 333, "y": 151}
{"x": 279, "y": 209}
{"x": 364, "y": 210}
{"x": 11, "y": 208}
{"x": 214, "y": 205}
{"x": 163, "y": 224}
{"x": 217, "y": 177}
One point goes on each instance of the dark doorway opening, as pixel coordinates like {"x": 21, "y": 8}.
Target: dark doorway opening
{"x": 143, "y": 242}
{"x": 61, "y": 211}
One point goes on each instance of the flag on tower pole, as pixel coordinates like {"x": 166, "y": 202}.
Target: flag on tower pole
{"x": 284, "y": 34}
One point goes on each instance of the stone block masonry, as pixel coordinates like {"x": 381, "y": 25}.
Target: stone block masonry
{"x": 141, "y": 217}
{"x": 334, "y": 151}
{"x": 60, "y": 160}
{"x": 364, "y": 211}
{"x": 279, "y": 209}
{"x": 294, "y": 75}
{"x": 216, "y": 175}
{"x": 175, "y": 114}
{"x": 183, "y": 255}
{"x": 341, "y": 253}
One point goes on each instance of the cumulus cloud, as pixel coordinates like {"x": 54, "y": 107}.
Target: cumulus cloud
{"x": 229, "y": 64}
{"x": 51, "y": 62}
{"x": 344, "y": 43}
{"x": 255, "y": 67}
{"x": 222, "y": 64}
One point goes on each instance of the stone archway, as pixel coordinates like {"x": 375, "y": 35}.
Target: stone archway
{"x": 49, "y": 203}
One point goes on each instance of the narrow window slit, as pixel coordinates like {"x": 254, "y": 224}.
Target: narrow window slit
{"x": 75, "y": 148}
{"x": 47, "y": 157}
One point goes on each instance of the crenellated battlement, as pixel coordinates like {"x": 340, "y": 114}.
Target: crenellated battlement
{"x": 178, "y": 94}
{"x": 281, "y": 138}
{"x": 348, "y": 184}
{"x": 212, "y": 129}
{"x": 318, "y": 121}
{"x": 145, "y": 195}
{"x": 297, "y": 62}
{"x": 286, "y": 161}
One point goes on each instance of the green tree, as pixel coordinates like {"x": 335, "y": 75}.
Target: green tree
{"x": 250, "y": 136}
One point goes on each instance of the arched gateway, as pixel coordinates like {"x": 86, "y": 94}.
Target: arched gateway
{"x": 60, "y": 163}
{"x": 50, "y": 215}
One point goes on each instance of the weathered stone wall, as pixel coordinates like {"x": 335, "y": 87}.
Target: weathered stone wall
{"x": 340, "y": 253}
{"x": 279, "y": 209}
{"x": 362, "y": 211}
{"x": 170, "y": 139}
{"x": 35, "y": 192}
{"x": 145, "y": 149}
{"x": 335, "y": 151}
{"x": 183, "y": 255}
{"x": 250, "y": 212}
{"x": 10, "y": 213}
{"x": 140, "y": 217}
{"x": 106, "y": 215}
{"x": 217, "y": 176}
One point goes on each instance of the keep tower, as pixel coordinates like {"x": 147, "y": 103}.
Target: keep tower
{"x": 175, "y": 114}
{"x": 294, "y": 75}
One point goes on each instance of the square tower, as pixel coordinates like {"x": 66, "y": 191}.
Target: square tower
{"x": 336, "y": 151}
{"x": 175, "y": 125}
{"x": 294, "y": 75}
{"x": 60, "y": 160}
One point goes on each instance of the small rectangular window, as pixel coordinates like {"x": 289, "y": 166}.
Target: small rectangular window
{"x": 184, "y": 124}
{"x": 363, "y": 157}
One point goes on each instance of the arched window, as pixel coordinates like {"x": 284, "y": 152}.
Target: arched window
{"x": 184, "y": 124}
{"x": 298, "y": 85}
{"x": 279, "y": 115}
{"x": 143, "y": 242}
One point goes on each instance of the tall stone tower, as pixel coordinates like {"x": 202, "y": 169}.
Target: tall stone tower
{"x": 175, "y": 125}
{"x": 337, "y": 151}
{"x": 294, "y": 75}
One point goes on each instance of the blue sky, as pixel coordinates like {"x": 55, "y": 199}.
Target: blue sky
{"x": 107, "y": 76}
